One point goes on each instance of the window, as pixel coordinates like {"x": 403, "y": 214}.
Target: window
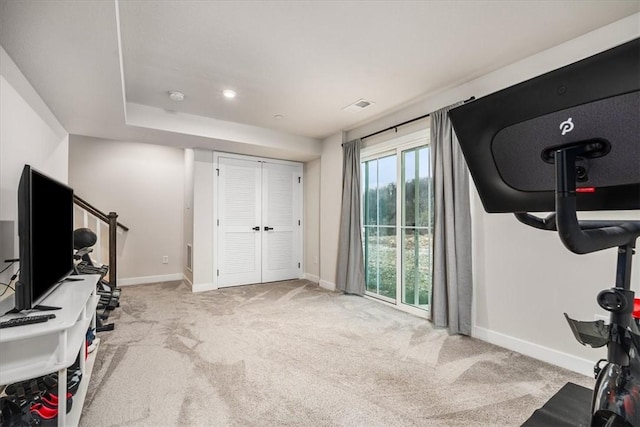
{"x": 380, "y": 225}
{"x": 417, "y": 226}
{"x": 397, "y": 212}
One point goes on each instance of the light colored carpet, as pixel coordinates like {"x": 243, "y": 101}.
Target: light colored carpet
{"x": 292, "y": 354}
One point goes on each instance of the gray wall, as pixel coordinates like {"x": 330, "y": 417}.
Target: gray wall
{"x": 29, "y": 134}
{"x": 189, "y": 158}
{"x": 144, "y": 184}
{"x": 330, "y": 203}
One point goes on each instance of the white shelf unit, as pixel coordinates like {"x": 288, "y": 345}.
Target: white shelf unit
{"x": 31, "y": 351}
{"x": 73, "y": 417}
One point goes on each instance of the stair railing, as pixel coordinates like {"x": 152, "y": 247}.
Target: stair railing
{"x": 111, "y": 221}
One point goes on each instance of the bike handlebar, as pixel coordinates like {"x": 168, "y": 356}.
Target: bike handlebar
{"x": 580, "y": 237}
{"x": 575, "y": 238}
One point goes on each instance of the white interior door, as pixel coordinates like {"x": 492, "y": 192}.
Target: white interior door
{"x": 239, "y": 224}
{"x": 282, "y": 220}
{"x": 259, "y": 221}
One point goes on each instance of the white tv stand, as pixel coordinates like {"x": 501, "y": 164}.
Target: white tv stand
{"x": 31, "y": 351}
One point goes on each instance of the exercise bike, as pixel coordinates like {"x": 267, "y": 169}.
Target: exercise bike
{"x": 564, "y": 142}
{"x": 83, "y": 241}
{"x": 616, "y": 396}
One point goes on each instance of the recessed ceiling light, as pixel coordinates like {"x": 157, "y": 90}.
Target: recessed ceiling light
{"x": 228, "y": 93}
{"x": 278, "y": 116}
{"x": 176, "y": 95}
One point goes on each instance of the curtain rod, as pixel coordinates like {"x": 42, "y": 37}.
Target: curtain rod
{"x": 407, "y": 122}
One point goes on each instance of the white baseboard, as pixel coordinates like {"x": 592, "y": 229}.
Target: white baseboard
{"x": 327, "y": 285}
{"x": 149, "y": 279}
{"x": 202, "y": 287}
{"x": 546, "y": 354}
{"x": 311, "y": 277}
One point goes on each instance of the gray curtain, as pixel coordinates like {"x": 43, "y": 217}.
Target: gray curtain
{"x": 350, "y": 270}
{"x": 452, "y": 272}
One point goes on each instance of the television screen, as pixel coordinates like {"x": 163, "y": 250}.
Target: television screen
{"x": 509, "y": 138}
{"x": 45, "y": 235}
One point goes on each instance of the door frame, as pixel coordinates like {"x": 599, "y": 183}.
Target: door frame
{"x": 248, "y": 233}
{"x": 216, "y": 214}
{"x": 395, "y": 146}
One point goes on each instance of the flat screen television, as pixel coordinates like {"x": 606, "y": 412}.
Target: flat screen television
{"x": 509, "y": 138}
{"x": 45, "y": 236}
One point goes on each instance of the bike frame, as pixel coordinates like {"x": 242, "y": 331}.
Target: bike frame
{"x": 616, "y": 396}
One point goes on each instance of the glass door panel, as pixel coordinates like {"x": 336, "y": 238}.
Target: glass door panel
{"x": 416, "y": 267}
{"x": 379, "y": 219}
{"x": 417, "y": 226}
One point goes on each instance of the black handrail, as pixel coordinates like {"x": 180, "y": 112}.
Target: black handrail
{"x": 95, "y": 211}
{"x": 111, "y": 220}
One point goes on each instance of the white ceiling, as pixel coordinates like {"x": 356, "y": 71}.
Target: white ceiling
{"x": 304, "y": 60}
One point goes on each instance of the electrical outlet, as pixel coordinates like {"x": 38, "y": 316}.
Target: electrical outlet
{"x": 165, "y": 259}
{"x": 315, "y": 260}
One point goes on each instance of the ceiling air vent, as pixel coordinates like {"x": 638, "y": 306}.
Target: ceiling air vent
{"x": 359, "y": 105}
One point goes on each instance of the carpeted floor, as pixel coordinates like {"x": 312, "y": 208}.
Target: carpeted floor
{"x": 292, "y": 354}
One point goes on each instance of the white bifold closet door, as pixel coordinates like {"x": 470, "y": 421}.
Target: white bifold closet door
{"x": 259, "y": 237}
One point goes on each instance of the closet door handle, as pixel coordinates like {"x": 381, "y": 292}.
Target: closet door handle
{"x": 268, "y": 228}
{"x": 256, "y": 228}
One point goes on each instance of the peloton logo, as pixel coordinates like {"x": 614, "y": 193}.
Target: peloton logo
{"x": 566, "y": 126}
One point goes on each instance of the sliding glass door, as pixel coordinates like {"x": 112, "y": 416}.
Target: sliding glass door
{"x": 398, "y": 247}
{"x": 417, "y": 226}
{"x": 379, "y": 211}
